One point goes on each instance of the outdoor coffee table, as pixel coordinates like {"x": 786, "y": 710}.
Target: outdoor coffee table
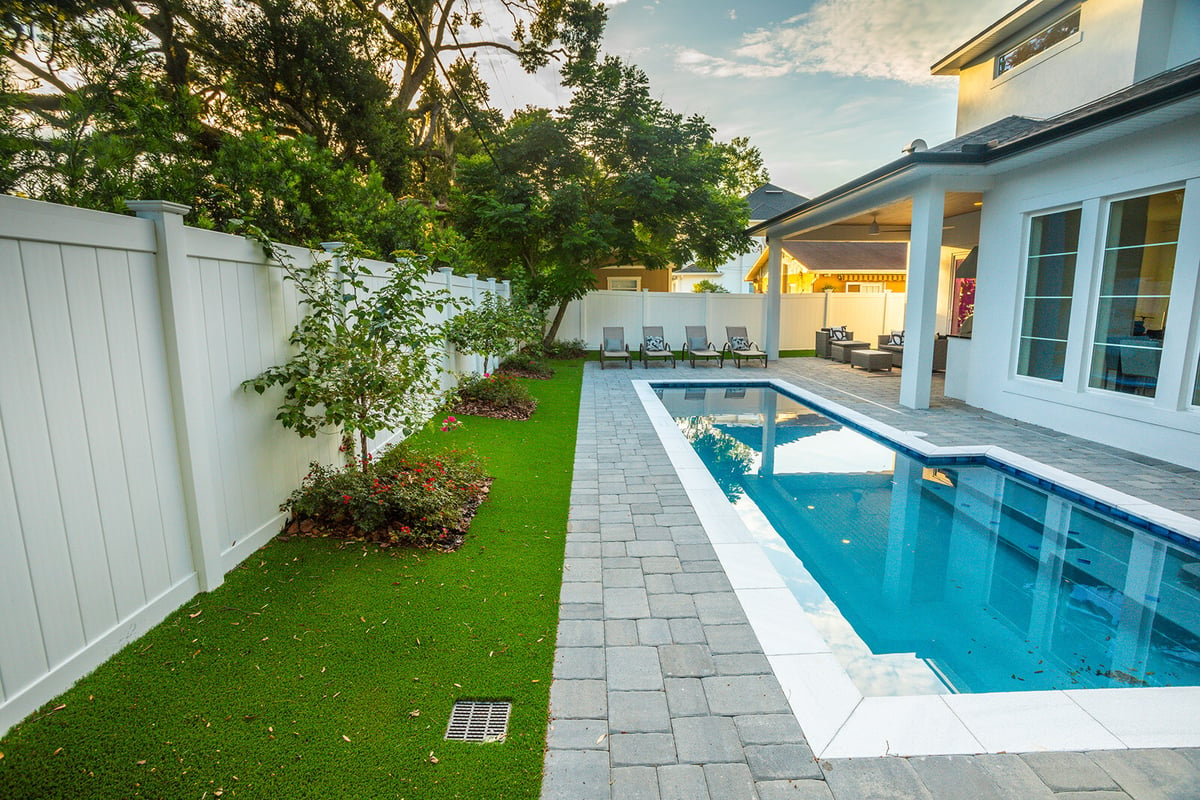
{"x": 840, "y": 351}
{"x": 871, "y": 359}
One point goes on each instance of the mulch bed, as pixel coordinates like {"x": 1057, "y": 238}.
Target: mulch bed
{"x": 448, "y": 541}
{"x": 476, "y": 408}
{"x": 523, "y": 373}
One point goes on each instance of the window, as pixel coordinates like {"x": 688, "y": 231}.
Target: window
{"x": 1135, "y": 287}
{"x": 1039, "y": 42}
{"x": 1049, "y": 278}
{"x": 625, "y": 284}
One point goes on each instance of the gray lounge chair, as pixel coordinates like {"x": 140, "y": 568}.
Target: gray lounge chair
{"x": 655, "y": 345}
{"x": 613, "y": 347}
{"x": 739, "y": 347}
{"x": 696, "y": 345}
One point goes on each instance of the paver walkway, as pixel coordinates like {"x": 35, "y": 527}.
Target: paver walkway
{"x": 661, "y": 690}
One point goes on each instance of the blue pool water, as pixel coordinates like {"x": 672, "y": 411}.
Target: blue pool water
{"x": 928, "y": 577}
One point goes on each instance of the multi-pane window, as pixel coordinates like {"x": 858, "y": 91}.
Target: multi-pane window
{"x": 1049, "y": 277}
{"x": 1039, "y": 42}
{"x": 1135, "y": 287}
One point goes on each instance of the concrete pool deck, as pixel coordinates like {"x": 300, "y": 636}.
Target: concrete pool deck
{"x": 662, "y": 688}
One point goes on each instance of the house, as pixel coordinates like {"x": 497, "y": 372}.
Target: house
{"x": 1070, "y": 200}
{"x": 685, "y": 279}
{"x": 765, "y": 202}
{"x": 631, "y": 278}
{"x": 855, "y": 267}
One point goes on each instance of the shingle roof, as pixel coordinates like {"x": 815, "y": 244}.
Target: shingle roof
{"x": 834, "y": 256}
{"x": 768, "y": 200}
{"x": 693, "y": 269}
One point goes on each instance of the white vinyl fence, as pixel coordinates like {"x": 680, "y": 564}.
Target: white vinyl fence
{"x": 800, "y": 315}
{"x": 134, "y": 471}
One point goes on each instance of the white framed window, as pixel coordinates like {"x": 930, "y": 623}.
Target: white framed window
{"x": 1060, "y": 30}
{"x": 1046, "y": 303}
{"x": 624, "y": 284}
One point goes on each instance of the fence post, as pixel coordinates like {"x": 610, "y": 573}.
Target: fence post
{"x": 195, "y": 428}
{"x": 506, "y": 291}
{"x": 447, "y": 359}
{"x": 473, "y": 277}
{"x": 645, "y": 302}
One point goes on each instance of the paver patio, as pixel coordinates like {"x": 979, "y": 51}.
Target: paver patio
{"x": 661, "y": 690}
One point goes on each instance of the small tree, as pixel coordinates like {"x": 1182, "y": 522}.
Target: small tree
{"x": 709, "y": 286}
{"x": 495, "y": 326}
{"x": 364, "y": 361}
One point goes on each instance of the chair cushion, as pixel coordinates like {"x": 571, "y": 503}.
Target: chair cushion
{"x": 655, "y": 343}
{"x": 613, "y": 345}
{"x": 838, "y": 334}
{"x": 897, "y": 337}
{"x": 697, "y": 343}
{"x": 739, "y": 343}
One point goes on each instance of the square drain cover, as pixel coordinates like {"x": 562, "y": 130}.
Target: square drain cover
{"x": 479, "y": 720}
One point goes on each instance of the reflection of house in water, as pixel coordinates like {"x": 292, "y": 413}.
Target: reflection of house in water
{"x": 955, "y": 563}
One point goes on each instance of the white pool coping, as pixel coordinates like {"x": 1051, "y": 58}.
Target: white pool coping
{"x": 837, "y": 720}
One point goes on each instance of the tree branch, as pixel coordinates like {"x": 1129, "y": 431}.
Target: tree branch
{"x": 45, "y": 74}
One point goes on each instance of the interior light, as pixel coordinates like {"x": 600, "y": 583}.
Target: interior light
{"x": 873, "y": 228}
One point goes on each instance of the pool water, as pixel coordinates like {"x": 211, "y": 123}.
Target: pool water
{"x": 928, "y": 577}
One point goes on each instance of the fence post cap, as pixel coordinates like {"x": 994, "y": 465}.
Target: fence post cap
{"x": 145, "y": 207}
{"x": 445, "y": 270}
{"x": 329, "y": 247}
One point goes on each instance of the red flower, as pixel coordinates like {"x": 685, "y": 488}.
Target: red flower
{"x": 346, "y": 499}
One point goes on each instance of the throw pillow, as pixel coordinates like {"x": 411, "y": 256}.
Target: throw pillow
{"x": 839, "y": 334}
{"x": 655, "y": 344}
{"x": 897, "y": 338}
{"x": 697, "y": 343}
{"x": 613, "y": 345}
{"x": 739, "y": 343}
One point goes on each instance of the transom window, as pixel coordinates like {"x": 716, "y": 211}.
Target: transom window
{"x": 1135, "y": 289}
{"x": 1049, "y": 279}
{"x": 1039, "y": 42}
{"x": 625, "y": 284}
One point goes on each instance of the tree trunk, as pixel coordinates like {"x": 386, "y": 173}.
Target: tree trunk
{"x": 558, "y": 318}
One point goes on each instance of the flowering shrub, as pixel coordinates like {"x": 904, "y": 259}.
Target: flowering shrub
{"x": 570, "y": 348}
{"x": 491, "y": 395}
{"x": 401, "y": 497}
{"x": 524, "y": 365}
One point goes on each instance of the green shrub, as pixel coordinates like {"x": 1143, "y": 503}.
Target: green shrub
{"x": 525, "y": 365}
{"x": 402, "y": 497}
{"x": 562, "y": 350}
{"x": 494, "y": 396}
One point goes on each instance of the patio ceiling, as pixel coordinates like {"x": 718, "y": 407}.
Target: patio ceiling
{"x": 961, "y": 222}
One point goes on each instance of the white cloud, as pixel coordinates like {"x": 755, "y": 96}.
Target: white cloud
{"x": 860, "y": 38}
{"x": 733, "y": 13}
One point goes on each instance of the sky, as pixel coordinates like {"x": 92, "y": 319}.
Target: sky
{"x": 826, "y": 89}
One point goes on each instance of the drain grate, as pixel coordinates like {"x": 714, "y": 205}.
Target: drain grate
{"x": 479, "y": 720}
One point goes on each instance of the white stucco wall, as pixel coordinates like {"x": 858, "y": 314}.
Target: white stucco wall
{"x": 1096, "y": 62}
{"x": 1165, "y": 426}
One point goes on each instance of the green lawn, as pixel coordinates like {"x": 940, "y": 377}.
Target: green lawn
{"x": 324, "y": 669}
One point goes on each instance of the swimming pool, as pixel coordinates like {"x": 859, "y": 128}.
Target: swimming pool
{"x": 925, "y": 600}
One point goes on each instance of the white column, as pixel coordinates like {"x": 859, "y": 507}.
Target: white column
{"x": 195, "y": 427}
{"x": 920, "y": 316}
{"x": 1177, "y": 374}
{"x": 507, "y": 288}
{"x": 774, "y": 292}
{"x": 769, "y": 407}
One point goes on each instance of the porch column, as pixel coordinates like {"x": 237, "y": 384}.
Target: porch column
{"x": 920, "y": 314}
{"x": 771, "y": 321}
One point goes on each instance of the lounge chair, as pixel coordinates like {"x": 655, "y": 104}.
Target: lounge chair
{"x": 613, "y": 347}
{"x": 739, "y": 347}
{"x": 654, "y": 345}
{"x": 696, "y": 345}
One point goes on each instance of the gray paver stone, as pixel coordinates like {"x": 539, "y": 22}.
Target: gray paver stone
{"x": 638, "y": 712}
{"x": 687, "y": 631}
{"x": 742, "y": 664}
{"x": 769, "y": 729}
{"x": 702, "y": 582}
{"x": 1069, "y": 772}
{"x": 695, "y": 552}
{"x": 1151, "y": 774}
{"x": 576, "y": 775}
{"x": 661, "y": 564}
{"x": 682, "y": 782}
{"x": 672, "y": 605}
{"x": 718, "y": 608}
{"x": 689, "y": 534}
{"x": 613, "y": 549}
{"x": 633, "y": 669}
{"x": 888, "y": 778}
{"x": 686, "y": 661}
{"x": 581, "y": 569}
{"x": 649, "y": 549}
{"x": 706, "y": 740}
{"x": 685, "y": 697}
{"x": 620, "y": 632}
{"x": 1014, "y": 779}
{"x": 635, "y": 783}
{"x": 744, "y": 694}
{"x": 617, "y": 532}
{"x": 641, "y": 749}
{"x": 703, "y": 566}
{"x": 793, "y": 790}
{"x": 578, "y": 663}
{"x": 577, "y": 734}
{"x": 654, "y": 533}
{"x": 580, "y": 611}
{"x": 729, "y": 782}
{"x": 580, "y": 633}
{"x": 653, "y": 632}
{"x": 625, "y": 603}
{"x": 949, "y": 777}
{"x": 581, "y": 549}
{"x": 781, "y": 762}
{"x": 1100, "y": 795}
{"x": 623, "y": 578}
{"x": 621, "y": 562}
{"x": 578, "y": 700}
{"x": 659, "y": 584}
{"x": 581, "y": 592}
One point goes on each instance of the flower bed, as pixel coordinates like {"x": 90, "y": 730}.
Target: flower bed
{"x": 496, "y": 396}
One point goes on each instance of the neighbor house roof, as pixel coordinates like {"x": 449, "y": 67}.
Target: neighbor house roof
{"x": 768, "y": 200}
{"x": 1014, "y": 135}
{"x": 693, "y": 269}
{"x": 849, "y": 256}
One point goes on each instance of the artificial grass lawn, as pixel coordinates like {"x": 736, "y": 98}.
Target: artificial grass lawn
{"x": 328, "y": 669}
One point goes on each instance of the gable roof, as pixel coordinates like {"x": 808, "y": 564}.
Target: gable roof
{"x": 848, "y": 256}
{"x": 768, "y": 200}
{"x": 696, "y": 269}
{"x": 1015, "y": 135}
{"x": 1021, "y": 18}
